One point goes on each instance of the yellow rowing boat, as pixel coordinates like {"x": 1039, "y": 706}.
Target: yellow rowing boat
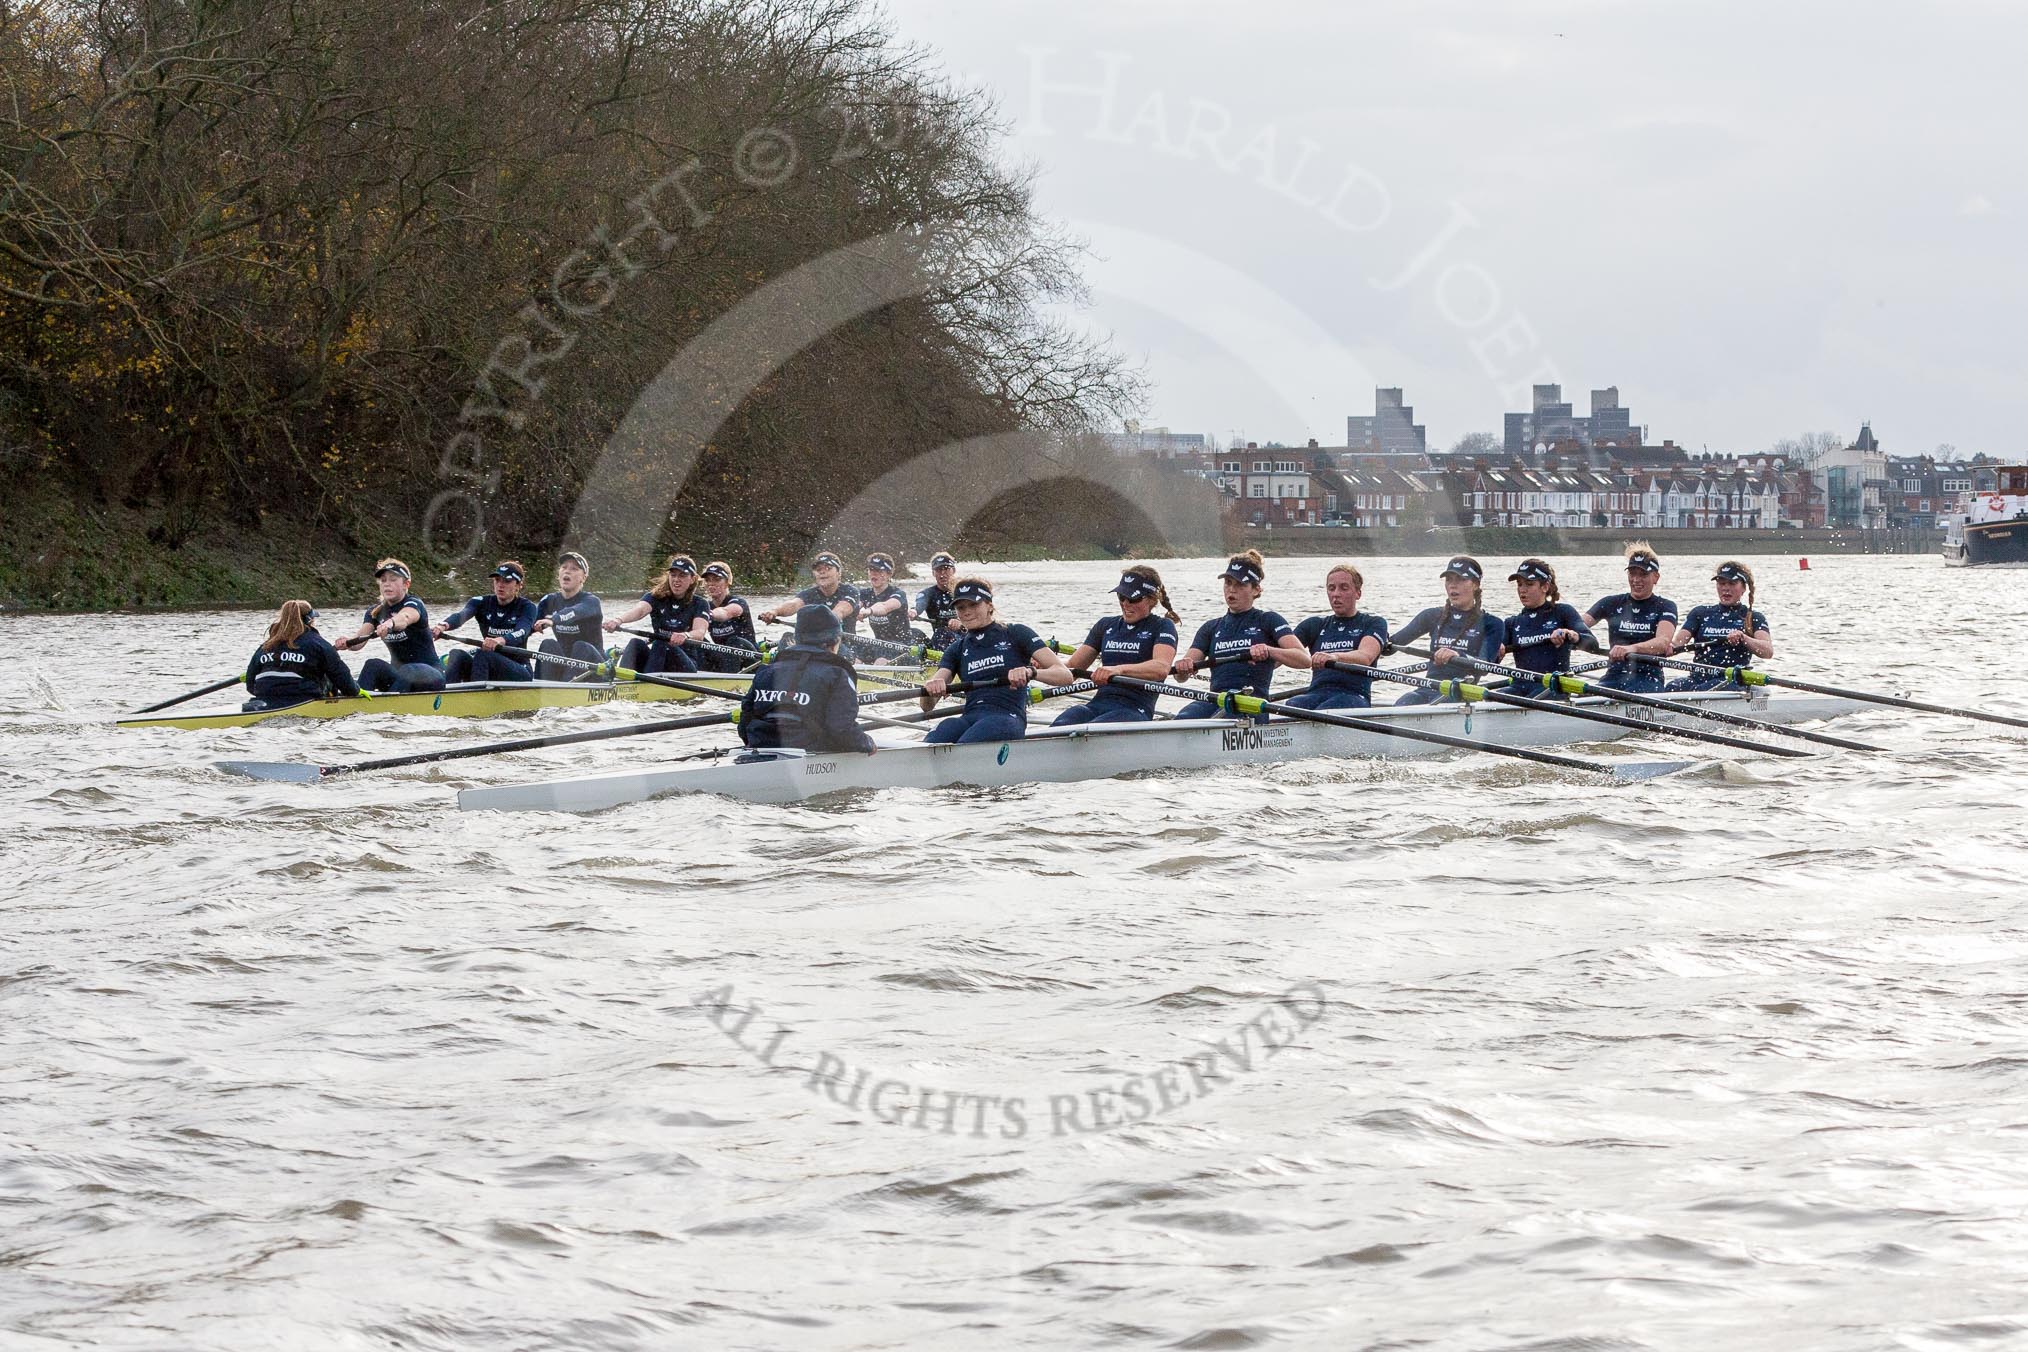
{"x": 482, "y": 700}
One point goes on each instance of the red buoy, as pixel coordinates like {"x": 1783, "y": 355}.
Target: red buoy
{"x": 1803, "y": 564}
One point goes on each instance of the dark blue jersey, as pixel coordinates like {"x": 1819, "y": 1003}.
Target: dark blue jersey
{"x": 1473, "y": 633}
{"x": 813, "y": 595}
{"x": 806, "y": 698}
{"x": 939, "y": 608}
{"x": 1630, "y": 621}
{"x": 412, "y": 644}
{"x": 1231, "y": 635}
{"x": 1342, "y": 634}
{"x": 983, "y": 655}
{"x": 308, "y": 668}
{"x": 739, "y": 629}
{"x": 1713, "y": 624}
{"x": 576, "y": 619}
{"x": 509, "y": 621}
{"x": 1119, "y": 644}
{"x": 667, "y": 615}
{"x": 892, "y": 626}
{"x": 1527, "y": 637}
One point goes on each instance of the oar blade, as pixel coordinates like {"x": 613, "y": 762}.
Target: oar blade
{"x": 1633, "y": 772}
{"x": 278, "y": 772}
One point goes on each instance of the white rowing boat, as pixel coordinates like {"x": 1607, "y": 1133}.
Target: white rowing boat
{"x": 1099, "y": 751}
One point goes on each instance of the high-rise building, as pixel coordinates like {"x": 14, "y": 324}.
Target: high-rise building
{"x": 1551, "y": 421}
{"x": 1392, "y": 429}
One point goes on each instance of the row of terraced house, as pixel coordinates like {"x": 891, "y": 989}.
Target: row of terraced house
{"x": 1339, "y": 486}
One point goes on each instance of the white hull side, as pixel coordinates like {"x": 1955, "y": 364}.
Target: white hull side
{"x": 1101, "y": 751}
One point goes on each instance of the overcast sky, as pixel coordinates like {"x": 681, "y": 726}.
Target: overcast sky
{"x": 1755, "y": 220}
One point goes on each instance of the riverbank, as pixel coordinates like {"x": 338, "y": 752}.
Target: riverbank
{"x": 1502, "y": 541}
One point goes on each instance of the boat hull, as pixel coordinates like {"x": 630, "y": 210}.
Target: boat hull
{"x": 484, "y": 700}
{"x": 1098, "y": 751}
{"x": 1987, "y": 544}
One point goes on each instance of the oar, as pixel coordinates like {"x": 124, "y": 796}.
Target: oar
{"x": 1469, "y": 693}
{"x": 1572, "y": 685}
{"x": 558, "y": 658}
{"x": 749, "y": 655}
{"x": 1251, "y": 704}
{"x": 881, "y": 645}
{"x": 1754, "y": 676}
{"x": 295, "y": 773}
{"x": 193, "y": 694}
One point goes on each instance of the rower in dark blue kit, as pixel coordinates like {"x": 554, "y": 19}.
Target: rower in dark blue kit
{"x": 1135, "y": 643}
{"x": 506, "y": 620}
{"x": 1245, "y": 644}
{"x": 678, "y": 611}
{"x": 808, "y": 697}
{"x": 574, "y": 619}
{"x": 1639, "y": 624}
{"x": 295, "y": 664}
{"x": 828, "y": 589}
{"x": 1541, "y": 637}
{"x": 995, "y": 660}
{"x": 1458, "y": 627}
{"x": 935, "y": 605}
{"x": 730, "y": 621}
{"x": 1343, "y": 646}
{"x": 1729, "y": 634}
{"x": 402, "y": 622}
{"x": 884, "y": 604}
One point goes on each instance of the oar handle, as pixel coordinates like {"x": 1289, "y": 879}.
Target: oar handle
{"x": 559, "y": 658}
{"x": 702, "y": 645}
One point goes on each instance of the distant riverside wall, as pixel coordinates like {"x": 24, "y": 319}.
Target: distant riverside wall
{"x": 1512, "y": 540}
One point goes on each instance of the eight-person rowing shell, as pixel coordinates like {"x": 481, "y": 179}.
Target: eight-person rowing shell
{"x": 993, "y": 660}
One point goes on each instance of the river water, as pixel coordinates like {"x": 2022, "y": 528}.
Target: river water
{"x": 1452, "y": 1054}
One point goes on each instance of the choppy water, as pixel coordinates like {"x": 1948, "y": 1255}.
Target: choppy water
{"x": 1732, "y": 1059}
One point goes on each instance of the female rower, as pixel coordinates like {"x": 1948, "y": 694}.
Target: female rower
{"x": 996, "y": 661}
{"x": 885, "y": 605}
{"x": 679, "y": 609}
{"x": 827, "y": 589}
{"x": 1639, "y": 624}
{"x": 935, "y": 605}
{"x": 1343, "y": 646}
{"x": 730, "y": 620}
{"x": 295, "y": 664}
{"x": 1460, "y": 627}
{"x": 1729, "y": 634}
{"x": 506, "y": 619}
{"x": 1540, "y": 638}
{"x": 573, "y": 616}
{"x": 403, "y": 623}
{"x": 1245, "y": 644}
{"x": 1136, "y": 642}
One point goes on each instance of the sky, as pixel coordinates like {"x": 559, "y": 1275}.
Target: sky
{"x": 1755, "y": 220}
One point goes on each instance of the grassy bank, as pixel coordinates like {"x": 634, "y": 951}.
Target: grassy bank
{"x": 57, "y": 553}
